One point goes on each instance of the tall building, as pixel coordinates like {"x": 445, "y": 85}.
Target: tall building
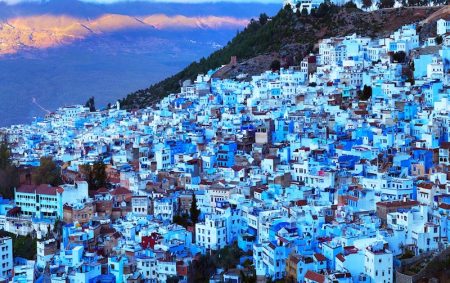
{"x": 212, "y": 234}
{"x": 378, "y": 263}
{"x": 43, "y": 201}
{"x": 6, "y": 258}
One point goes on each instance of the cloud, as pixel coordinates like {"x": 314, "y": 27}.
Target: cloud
{"x": 44, "y": 31}
{"x": 14, "y": 2}
{"x": 182, "y": 1}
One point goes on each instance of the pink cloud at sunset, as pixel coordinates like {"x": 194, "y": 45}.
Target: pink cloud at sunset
{"x": 44, "y": 31}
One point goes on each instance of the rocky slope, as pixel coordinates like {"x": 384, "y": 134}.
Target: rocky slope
{"x": 291, "y": 36}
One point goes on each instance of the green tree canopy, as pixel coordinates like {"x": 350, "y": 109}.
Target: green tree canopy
{"x": 275, "y": 65}
{"x": 90, "y": 103}
{"x": 9, "y": 175}
{"x": 386, "y": 4}
{"x": 48, "y": 172}
{"x": 263, "y": 18}
{"x": 399, "y": 57}
{"x": 367, "y": 4}
{"x": 304, "y": 12}
{"x": 366, "y": 93}
{"x": 5, "y": 155}
{"x": 201, "y": 269}
{"x": 95, "y": 175}
{"x": 23, "y": 246}
{"x": 194, "y": 211}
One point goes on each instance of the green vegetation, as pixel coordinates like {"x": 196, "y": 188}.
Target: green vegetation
{"x": 182, "y": 219}
{"x": 386, "y": 4}
{"x": 187, "y": 219}
{"x": 367, "y": 3}
{"x": 259, "y": 37}
{"x": 90, "y": 103}
{"x": 287, "y": 35}
{"x": 399, "y": 57}
{"x": 95, "y": 175}
{"x": 204, "y": 267}
{"x": 194, "y": 211}
{"x": 366, "y": 93}
{"x": 201, "y": 269}
{"x": 407, "y": 254}
{"x": 249, "y": 278}
{"x": 48, "y": 172}
{"x": 9, "y": 176}
{"x": 275, "y": 65}
{"x": 228, "y": 257}
{"x": 411, "y": 3}
{"x": 23, "y": 246}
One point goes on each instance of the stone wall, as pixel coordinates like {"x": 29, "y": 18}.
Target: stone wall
{"x": 432, "y": 269}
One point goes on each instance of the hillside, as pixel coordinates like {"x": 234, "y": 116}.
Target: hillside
{"x": 83, "y": 48}
{"x": 290, "y": 36}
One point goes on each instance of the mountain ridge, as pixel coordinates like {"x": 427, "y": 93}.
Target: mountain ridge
{"x": 46, "y": 31}
{"x": 287, "y": 35}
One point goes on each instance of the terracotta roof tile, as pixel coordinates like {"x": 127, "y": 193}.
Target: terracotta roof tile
{"x": 314, "y": 276}
{"x": 41, "y": 189}
{"x": 320, "y": 257}
{"x": 120, "y": 191}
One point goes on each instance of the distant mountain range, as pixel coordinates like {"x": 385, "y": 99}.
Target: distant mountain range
{"x": 44, "y": 31}
{"x": 81, "y": 9}
{"x": 61, "y": 52}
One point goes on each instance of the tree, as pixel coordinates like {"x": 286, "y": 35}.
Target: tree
{"x": 366, "y": 93}
{"x": 366, "y": 4}
{"x": 439, "y": 39}
{"x": 99, "y": 169}
{"x": 48, "y": 172}
{"x": 23, "y": 246}
{"x": 181, "y": 219}
{"x": 249, "y": 278}
{"x": 5, "y": 155}
{"x": 275, "y": 65}
{"x": 194, "y": 211}
{"x": 228, "y": 257}
{"x": 263, "y": 18}
{"x": 201, "y": 269}
{"x": 204, "y": 266}
{"x": 9, "y": 175}
{"x": 91, "y": 104}
{"x": 325, "y": 9}
{"x": 304, "y": 12}
{"x": 399, "y": 57}
{"x": 95, "y": 175}
{"x": 350, "y": 5}
{"x": 386, "y": 4}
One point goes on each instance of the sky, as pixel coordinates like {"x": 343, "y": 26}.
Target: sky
{"x": 12, "y": 2}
